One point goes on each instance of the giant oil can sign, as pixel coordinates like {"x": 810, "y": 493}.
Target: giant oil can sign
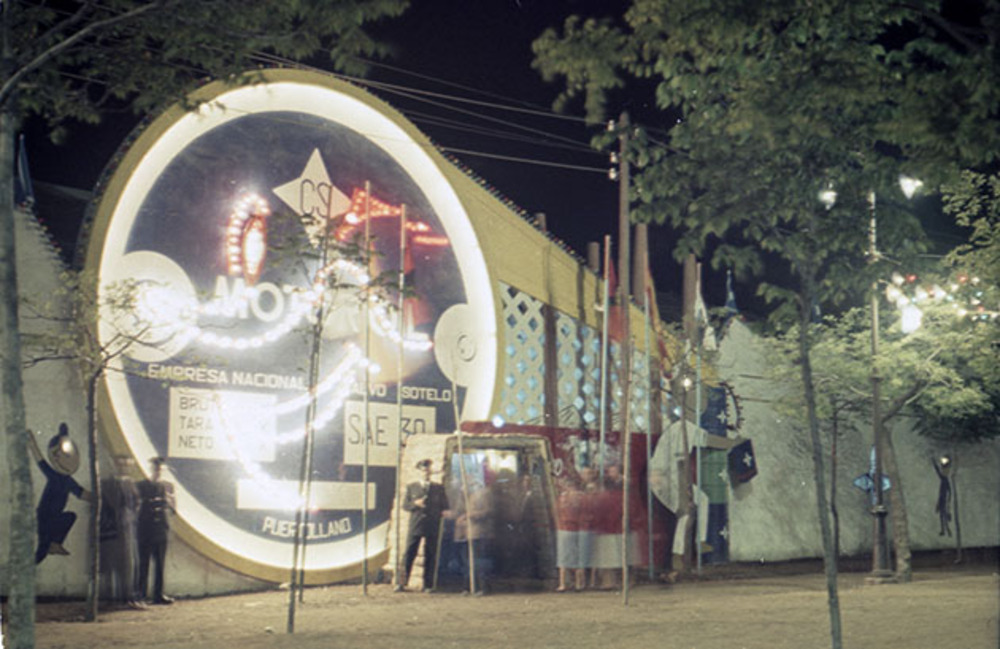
{"x": 249, "y": 257}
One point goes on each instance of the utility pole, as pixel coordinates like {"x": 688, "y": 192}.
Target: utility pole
{"x": 625, "y": 376}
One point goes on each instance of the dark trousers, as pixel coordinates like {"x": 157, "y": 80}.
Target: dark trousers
{"x": 483, "y": 551}
{"x": 52, "y": 530}
{"x": 430, "y": 556}
{"x": 157, "y": 551}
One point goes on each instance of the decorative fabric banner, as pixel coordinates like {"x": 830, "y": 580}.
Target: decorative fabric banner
{"x": 742, "y": 463}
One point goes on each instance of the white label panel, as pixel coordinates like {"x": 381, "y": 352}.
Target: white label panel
{"x": 383, "y": 420}
{"x": 222, "y": 425}
{"x": 283, "y": 495}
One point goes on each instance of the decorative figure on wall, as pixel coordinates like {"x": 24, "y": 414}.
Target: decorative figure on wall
{"x": 943, "y": 507}
{"x": 54, "y": 523}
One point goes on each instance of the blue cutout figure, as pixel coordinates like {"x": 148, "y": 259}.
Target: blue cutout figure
{"x": 54, "y": 523}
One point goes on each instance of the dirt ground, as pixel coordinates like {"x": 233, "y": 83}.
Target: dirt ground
{"x": 943, "y": 608}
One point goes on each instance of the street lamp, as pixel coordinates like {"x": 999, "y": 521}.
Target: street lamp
{"x": 880, "y": 554}
{"x": 880, "y": 550}
{"x": 881, "y": 573}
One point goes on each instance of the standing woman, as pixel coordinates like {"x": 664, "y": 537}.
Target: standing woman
{"x": 572, "y": 552}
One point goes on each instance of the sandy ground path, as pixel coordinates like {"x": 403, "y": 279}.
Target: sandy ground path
{"x": 938, "y": 610}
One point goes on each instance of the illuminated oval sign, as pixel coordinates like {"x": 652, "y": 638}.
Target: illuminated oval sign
{"x": 237, "y": 229}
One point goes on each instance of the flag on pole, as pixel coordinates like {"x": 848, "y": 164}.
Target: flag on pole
{"x": 654, "y": 316}
{"x": 616, "y": 310}
{"x": 731, "y": 309}
{"x": 742, "y": 463}
{"x": 24, "y": 193}
{"x": 702, "y": 325}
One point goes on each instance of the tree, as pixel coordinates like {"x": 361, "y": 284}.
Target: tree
{"x": 71, "y": 60}
{"x": 770, "y": 103}
{"x": 69, "y": 332}
{"x": 974, "y": 200}
{"x": 938, "y": 374}
{"x": 836, "y": 399}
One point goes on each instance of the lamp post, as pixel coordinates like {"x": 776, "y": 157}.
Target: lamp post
{"x": 881, "y": 573}
{"x": 880, "y": 550}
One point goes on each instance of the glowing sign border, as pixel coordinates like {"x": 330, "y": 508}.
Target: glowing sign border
{"x": 166, "y": 137}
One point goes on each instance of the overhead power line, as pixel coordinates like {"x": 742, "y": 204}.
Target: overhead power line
{"x": 545, "y": 163}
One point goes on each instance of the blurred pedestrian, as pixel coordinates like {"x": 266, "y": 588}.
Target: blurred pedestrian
{"x": 120, "y": 533}
{"x": 156, "y": 502}
{"x": 476, "y": 527}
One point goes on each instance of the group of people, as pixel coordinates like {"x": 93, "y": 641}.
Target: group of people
{"x": 134, "y": 518}
{"x": 589, "y": 530}
{"x": 135, "y": 528}
{"x": 490, "y": 523}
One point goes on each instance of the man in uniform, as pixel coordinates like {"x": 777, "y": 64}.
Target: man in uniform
{"x": 425, "y": 500}
{"x": 157, "y": 500}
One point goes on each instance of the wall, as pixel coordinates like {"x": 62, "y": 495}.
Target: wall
{"x": 53, "y": 394}
{"x": 773, "y": 517}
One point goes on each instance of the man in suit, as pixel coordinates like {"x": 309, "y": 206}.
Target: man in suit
{"x": 156, "y": 501}
{"x": 425, "y": 500}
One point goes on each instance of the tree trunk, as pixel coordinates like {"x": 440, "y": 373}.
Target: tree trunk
{"x": 835, "y": 515}
{"x": 829, "y": 558}
{"x": 897, "y": 510}
{"x": 21, "y": 533}
{"x": 94, "y": 531}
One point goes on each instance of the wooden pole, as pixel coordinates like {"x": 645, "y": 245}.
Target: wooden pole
{"x": 605, "y": 342}
{"x": 298, "y": 546}
{"x": 626, "y": 343}
{"x": 396, "y": 582}
{"x": 649, "y": 436}
{"x": 471, "y": 552}
{"x": 368, "y": 355}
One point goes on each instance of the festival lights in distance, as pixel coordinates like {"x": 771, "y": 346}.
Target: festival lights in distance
{"x": 965, "y": 295}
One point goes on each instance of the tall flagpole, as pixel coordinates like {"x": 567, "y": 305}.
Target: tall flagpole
{"x": 649, "y": 433}
{"x": 297, "y": 577}
{"x": 469, "y": 547}
{"x": 698, "y": 435}
{"x": 700, "y": 326}
{"x": 625, "y": 377}
{"x": 605, "y": 308}
{"x": 368, "y": 351}
{"x": 397, "y": 583}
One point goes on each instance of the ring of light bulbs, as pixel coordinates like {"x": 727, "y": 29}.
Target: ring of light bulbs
{"x": 245, "y": 221}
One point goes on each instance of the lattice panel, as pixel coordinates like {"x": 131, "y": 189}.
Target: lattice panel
{"x": 522, "y": 398}
{"x": 578, "y": 377}
{"x": 641, "y": 407}
{"x": 579, "y": 356}
{"x": 639, "y": 389}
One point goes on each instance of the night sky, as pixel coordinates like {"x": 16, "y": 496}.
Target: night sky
{"x": 452, "y": 49}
